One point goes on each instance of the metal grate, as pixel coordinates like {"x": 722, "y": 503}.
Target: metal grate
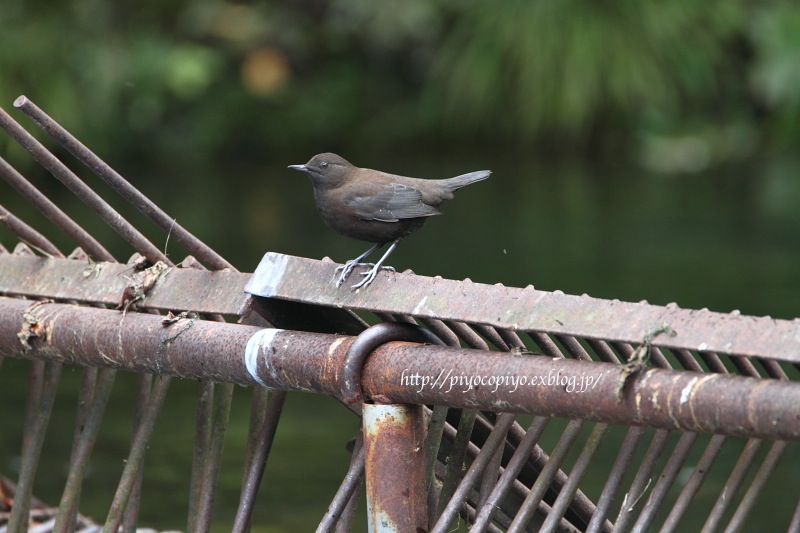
{"x": 633, "y": 408}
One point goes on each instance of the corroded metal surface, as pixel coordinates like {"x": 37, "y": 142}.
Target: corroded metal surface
{"x": 102, "y": 283}
{"x": 400, "y": 372}
{"x": 393, "y": 449}
{"x": 300, "y": 279}
{"x": 176, "y": 289}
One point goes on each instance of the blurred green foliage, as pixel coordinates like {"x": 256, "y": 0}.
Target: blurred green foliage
{"x": 211, "y": 79}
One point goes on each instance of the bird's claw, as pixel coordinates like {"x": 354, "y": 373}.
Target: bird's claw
{"x": 369, "y": 276}
{"x": 346, "y": 269}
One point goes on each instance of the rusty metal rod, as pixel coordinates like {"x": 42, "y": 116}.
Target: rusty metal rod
{"x": 144, "y": 387}
{"x": 641, "y": 481}
{"x": 735, "y": 479}
{"x": 349, "y": 487}
{"x": 756, "y": 486}
{"x": 794, "y": 525}
{"x": 302, "y": 279}
{"x": 27, "y": 234}
{"x": 67, "y": 510}
{"x": 489, "y": 477}
{"x": 202, "y": 437}
{"x": 692, "y": 486}
{"x": 120, "y": 184}
{"x": 32, "y": 450}
{"x": 223, "y": 396}
{"x": 581, "y": 505}
{"x": 513, "y": 468}
{"x": 60, "y": 171}
{"x": 567, "y": 493}
{"x": 665, "y": 481}
{"x": 546, "y": 476}
{"x": 82, "y": 418}
{"x": 263, "y": 440}
{"x": 495, "y": 440}
{"x": 135, "y": 460}
{"x": 621, "y": 464}
{"x": 52, "y": 212}
{"x": 396, "y": 371}
{"x": 455, "y": 461}
{"x": 393, "y": 450}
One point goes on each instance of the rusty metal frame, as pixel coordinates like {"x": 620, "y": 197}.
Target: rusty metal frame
{"x": 664, "y": 372}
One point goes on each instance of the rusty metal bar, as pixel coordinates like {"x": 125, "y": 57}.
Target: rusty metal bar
{"x": 395, "y": 467}
{"x": 202, "y": 437}
{"x": 397, "y": 372}
{"x": 456, "y": 460}
{"x": 144, "y": 388}
{"x": 665, "y": 481}
{"x": 756, "y": 486}
{"x": 132, "y": 195}
{"x": 50, "y": 210}
{"x": 345, "y": 496}
{"x": 107, "y": 213}
{"x": 189, "y": 289}
{"x": 692, "y": 486}
{"x": 102, "y": 283}
{"x": 135, "y": 460}
{"x": 546, "y": 476}
{"x": 223, "y": 396}
{"x": 433, "y": 441}
{"x": 84, "y": 443}
{"x": 490, "y": 476}
{"x": 68, "y": 508}
{"x": 621, "y": 465}
{"x": 32, "y": 447}
{"x": 641, "y": 482}
{"x": 732, "y": 485}
{"x": 567, "y": 493}
{"x": 263, "y": 440}
{"x": 794, "y": 525}
{"x": 581, "y": 505}
{"x": 513, "y": 468}
{"x": 477, "y": 467}
{"x": 530, "y": 310}
{"x": 27, "y": 234}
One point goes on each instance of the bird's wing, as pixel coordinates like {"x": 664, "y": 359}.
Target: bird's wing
{"x": 394, "y": 202}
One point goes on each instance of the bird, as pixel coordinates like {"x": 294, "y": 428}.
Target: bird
{"x": 374, "y": 206}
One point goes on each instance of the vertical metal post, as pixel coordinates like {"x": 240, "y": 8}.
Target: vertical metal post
{"x": 394, "y": 455}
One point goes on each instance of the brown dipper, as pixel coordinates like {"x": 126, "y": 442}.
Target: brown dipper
{"x": 374, "y": 206}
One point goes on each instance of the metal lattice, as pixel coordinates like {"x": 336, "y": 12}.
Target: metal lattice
{"x": 666, "y": 392}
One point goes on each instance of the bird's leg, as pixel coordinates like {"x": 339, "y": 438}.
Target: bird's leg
{"x": 350, "y": 265}
{"x": 369, "y": 275}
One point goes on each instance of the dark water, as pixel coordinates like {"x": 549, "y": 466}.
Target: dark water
{"x": 724, "y": 240}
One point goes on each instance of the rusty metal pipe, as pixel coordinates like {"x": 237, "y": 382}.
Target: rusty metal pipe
{"x": 394, "y": 459}
{"x": 400, "y": 372}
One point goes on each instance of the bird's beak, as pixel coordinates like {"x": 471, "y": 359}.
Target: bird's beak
{"x": 301, "y": 168}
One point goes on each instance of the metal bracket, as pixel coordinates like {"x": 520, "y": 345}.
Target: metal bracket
{"x": 370, "y": 339}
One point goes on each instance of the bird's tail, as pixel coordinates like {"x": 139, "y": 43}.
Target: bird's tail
{"x": 466, "y": 179}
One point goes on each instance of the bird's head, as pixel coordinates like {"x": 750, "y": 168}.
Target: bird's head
{"x": 325, "y": 170}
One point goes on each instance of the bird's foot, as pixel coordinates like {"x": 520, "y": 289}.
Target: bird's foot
{"x": 347, "y": 268}
{"x": 370, "y": 275}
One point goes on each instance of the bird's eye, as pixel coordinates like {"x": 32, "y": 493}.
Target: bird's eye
{"x": 324, "y": 164}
